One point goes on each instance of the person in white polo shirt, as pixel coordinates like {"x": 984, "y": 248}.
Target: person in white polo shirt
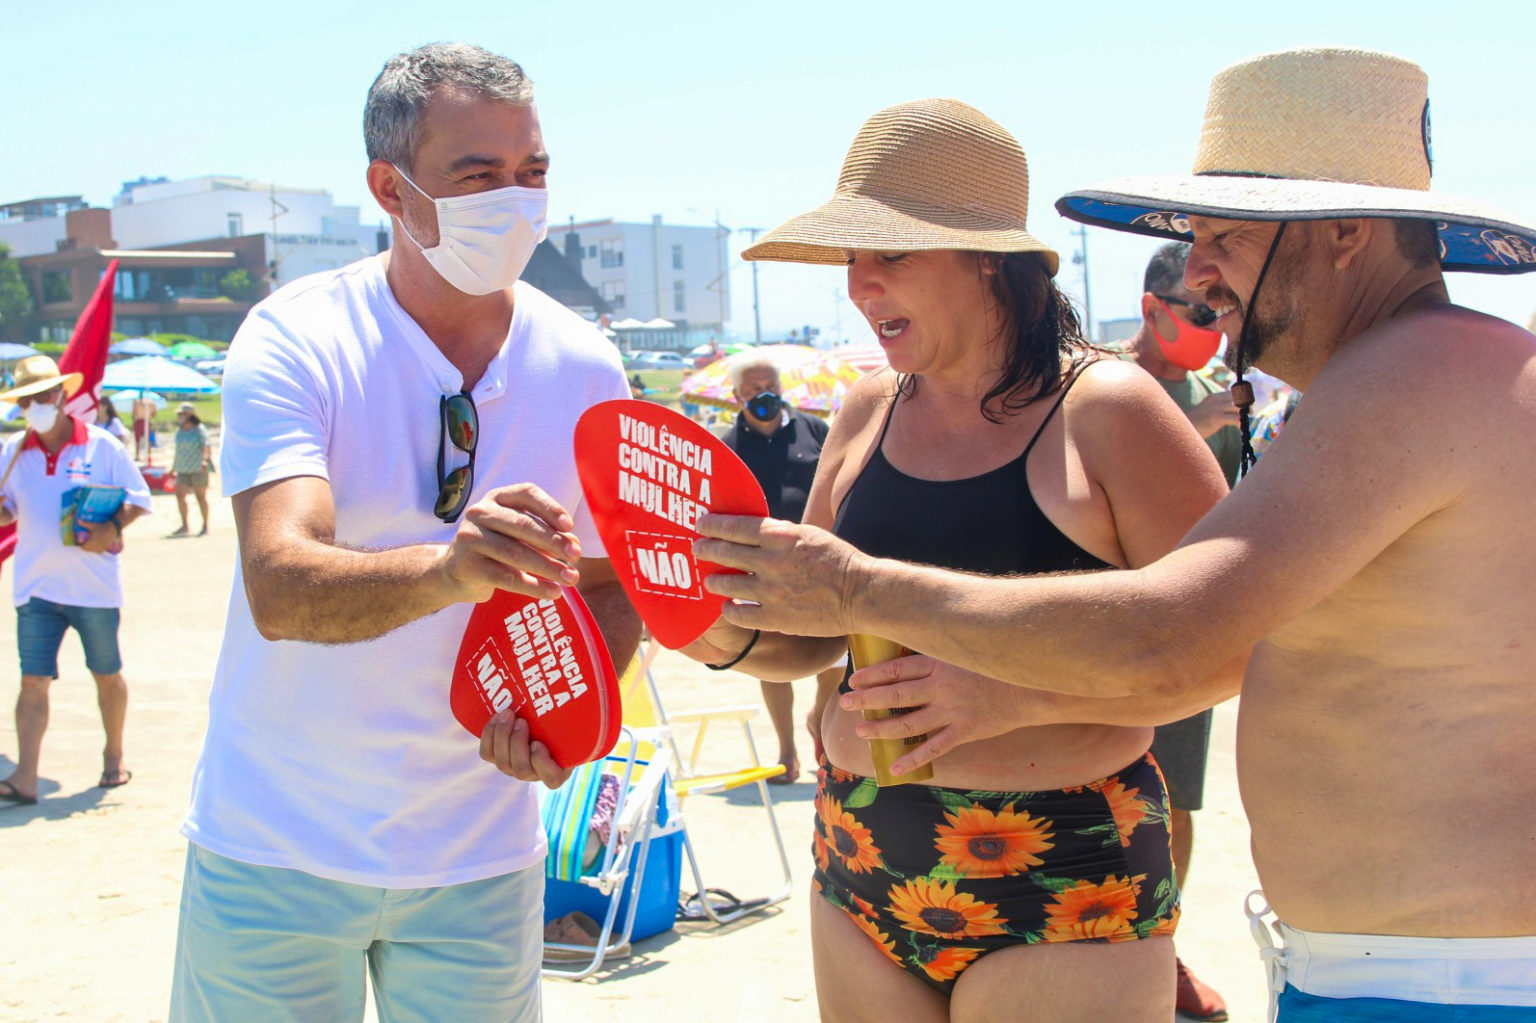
{"x": 65, "y": 573}
{"x": 398, "y": 442}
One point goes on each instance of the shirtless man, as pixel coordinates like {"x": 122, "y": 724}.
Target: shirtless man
{"x": 1376, "y": 561}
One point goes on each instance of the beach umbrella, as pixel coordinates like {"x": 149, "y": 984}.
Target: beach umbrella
{"x": 156, "y": 373}
{"x": 862, "y": 357}
{"x": 191, "y": 350}
{"x": 10, "y": 350}
{"x": 812, "y": 380}
{"x": 155, "y": 398}
{"x": 138, "y": 346}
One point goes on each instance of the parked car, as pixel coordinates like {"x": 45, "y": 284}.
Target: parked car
{"x": 656, "y": 360}
{"x": 669, "y": 360}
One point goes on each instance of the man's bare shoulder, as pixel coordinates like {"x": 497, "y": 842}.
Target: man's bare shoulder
{"x": 1448, "y": 353}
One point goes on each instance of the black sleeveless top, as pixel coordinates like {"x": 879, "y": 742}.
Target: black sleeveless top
{"x": 988, "y": 524}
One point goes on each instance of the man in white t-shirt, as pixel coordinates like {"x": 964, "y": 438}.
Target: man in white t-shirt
{"x": 65, "y": 571}
{"x": 397, "y": 444}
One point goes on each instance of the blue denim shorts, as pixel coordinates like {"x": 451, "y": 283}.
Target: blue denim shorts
{"x": 40, "y": 627}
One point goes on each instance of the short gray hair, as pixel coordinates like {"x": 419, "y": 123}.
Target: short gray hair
{"x": 744, "y": 363}
{"x": 392, "y": 116}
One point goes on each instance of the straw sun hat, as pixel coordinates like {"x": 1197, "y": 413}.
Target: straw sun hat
{"x": 38, "y": 373}
{"x": 931, "y": 174}
{"x": 1315, "y": 134}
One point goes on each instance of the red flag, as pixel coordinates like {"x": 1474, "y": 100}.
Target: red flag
{"x": 86, "y": 352}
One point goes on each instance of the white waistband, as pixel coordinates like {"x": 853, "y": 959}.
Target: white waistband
{"x": 1443, "y": 971}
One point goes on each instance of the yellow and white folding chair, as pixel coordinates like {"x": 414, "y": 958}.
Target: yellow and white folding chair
{"x": 644, "y": 710}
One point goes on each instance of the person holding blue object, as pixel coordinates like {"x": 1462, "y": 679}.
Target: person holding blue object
{"x": 1377, "y": 559}
{"x": 63, "y": 583}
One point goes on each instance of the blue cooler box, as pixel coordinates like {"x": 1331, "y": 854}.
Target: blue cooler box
{"x": 658, "y": 890}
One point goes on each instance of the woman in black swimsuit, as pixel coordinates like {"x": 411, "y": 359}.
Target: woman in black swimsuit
{"x": 1031, "y": 877}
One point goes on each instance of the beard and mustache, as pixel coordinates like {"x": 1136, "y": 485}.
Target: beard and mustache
{"x": 1278, "y": 315}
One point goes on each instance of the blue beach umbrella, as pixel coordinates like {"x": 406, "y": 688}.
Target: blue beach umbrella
{"x": 156, "y": 373}
{"x": 138, "y": 346}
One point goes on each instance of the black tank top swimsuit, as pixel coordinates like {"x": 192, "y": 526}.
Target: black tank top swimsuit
{"x": 988, "y": 524}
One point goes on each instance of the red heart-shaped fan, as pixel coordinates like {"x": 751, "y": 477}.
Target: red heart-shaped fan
{"x": 649, "y": 473}
{"x": 546, "y": 661}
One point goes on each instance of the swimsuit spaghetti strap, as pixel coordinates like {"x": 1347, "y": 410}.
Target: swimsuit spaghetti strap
{"x": 1078, "y": 375}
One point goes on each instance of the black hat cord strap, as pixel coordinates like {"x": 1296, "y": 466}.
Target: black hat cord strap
{"x": 1242, "y": 390}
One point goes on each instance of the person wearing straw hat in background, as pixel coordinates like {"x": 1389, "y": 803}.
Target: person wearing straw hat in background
{"x": 1378, "y": 555}
{"x": 1036, "y": 862}
{"x": 60, "y": 585}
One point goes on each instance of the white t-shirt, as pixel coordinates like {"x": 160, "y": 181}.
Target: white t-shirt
{"x": 43, "y": 566}
{"x": 344, "y": 761}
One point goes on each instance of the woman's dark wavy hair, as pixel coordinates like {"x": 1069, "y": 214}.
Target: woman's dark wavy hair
{"x": 1043, "y": 329}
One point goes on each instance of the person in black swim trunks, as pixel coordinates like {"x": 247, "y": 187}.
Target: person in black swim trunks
{"x": 1036, "y": 862}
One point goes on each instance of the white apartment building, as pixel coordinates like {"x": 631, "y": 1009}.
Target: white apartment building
{"x": 305, "y": 230}
{"x": 655, "y": 271}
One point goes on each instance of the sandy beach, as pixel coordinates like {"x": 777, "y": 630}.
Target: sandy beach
{"x": 94, "y": 875}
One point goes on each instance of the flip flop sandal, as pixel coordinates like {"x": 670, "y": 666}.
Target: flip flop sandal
{"x": 9, "y": 794}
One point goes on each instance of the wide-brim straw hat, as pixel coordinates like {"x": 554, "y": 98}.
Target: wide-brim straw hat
{"x": 1313, "y": 134}
{"x": 930, "y": 174}
{"x": 38, "y": 373}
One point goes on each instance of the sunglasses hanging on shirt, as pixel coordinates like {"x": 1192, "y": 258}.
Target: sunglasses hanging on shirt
{"x": 459, "y": 425}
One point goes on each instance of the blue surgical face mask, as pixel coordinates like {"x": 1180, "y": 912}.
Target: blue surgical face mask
{"x": 765, "y": 407}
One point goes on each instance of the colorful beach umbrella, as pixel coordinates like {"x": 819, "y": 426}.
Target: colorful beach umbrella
{"x": 813, "y": 380}
{"x": 865, "y": 358}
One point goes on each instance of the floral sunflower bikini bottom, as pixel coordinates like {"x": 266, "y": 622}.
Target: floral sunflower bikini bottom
{"x": 939, "y": 877}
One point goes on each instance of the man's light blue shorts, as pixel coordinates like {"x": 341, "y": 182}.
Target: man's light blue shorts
{"x": 264, "y": 943}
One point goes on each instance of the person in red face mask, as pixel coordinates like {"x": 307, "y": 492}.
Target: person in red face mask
{"x": 1172, "y": 344}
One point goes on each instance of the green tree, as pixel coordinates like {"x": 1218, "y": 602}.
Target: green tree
{"x": 238, "y": 285}
{"x": 15, "y": 299}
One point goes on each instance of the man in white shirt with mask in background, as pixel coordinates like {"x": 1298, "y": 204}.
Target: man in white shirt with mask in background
{"x": 398, "y": 444}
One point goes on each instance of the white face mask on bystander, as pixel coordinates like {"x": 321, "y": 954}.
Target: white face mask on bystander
{"x": 41, "y": 416}
{"x": 485, "y": 239}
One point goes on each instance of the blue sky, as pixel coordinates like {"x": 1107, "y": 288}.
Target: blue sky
{"x": 686, "y": 108}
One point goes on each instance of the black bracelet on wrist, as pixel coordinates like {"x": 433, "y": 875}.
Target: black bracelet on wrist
{"x": 756, "y": 635}
{"x": 116, "y": 525}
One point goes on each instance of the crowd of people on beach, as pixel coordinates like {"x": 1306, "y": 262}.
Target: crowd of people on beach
{"x": 1080, "y": 548}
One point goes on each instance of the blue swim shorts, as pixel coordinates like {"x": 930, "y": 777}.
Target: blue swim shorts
{"x": 1300, "y": 1007}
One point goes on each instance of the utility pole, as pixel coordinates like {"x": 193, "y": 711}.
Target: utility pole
{"x": 1080, "y": 257}
{"x": 721, "y": 234}
{"x": 278, "y": 209}
{"x": 757, "y": 315}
